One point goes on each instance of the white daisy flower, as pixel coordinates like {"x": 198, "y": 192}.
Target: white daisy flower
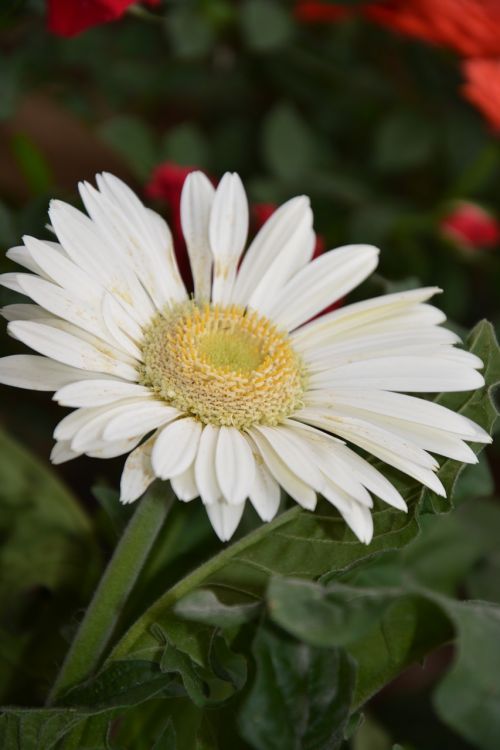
{"x": 235, "y": 391}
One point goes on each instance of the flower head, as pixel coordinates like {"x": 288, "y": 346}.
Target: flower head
{"x": 482, "y": 88}
{"x": 471, "y": 27}
{"x": 469, "y": 226}
{"x": 70, "y": 17}
{"x": 237, "y": 390}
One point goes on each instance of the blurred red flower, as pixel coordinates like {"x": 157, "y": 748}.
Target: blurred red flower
{"x": 315, "y": 11}
{"x": 482, "y": 88}
{"x": 471, "y": 27}
{"x": 470, "y": 227}
{"x": 70, "y": 17}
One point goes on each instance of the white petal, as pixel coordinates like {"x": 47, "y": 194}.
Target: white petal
{"x": 372, "y": 479}
{"x": 432, "y": 439}
{"x": 228, "y": 231}
{"x": 359, "y": 314}
{"x": 360, "y": 521}
{"x": 322, "y": 282}
{"x": 64, "y": 305}
{"x": 23, "y": 257}
{"x": 21, "y": 311}
{"x": 373, "y": 346}
{"x": 204, "y": 466}
{"x": 91, "y": 435}
{"x": 105, "y": 449}
{"x": 140, "y": 418}
{"x": 224, "y": 518}
{"x": 69, "y": 349}
{"x": 12, "y": 281}
{"x": 175, "y": 448}
{"x": 234, "y": 464}
{"x": 116, "y": 321}
{"x": 293, "y": 452}
{"x": 62, "y": 452}
{"x": 276, "y": 239}
{"x": 320, "y": 450}
{"x": 57, "y": 267}
{"x": 97, "y": 392}
{"x": 71, "y": 423}
{"x": 398, "y": 453}
{"x": 196, "y": 204}
{"x": 410, "y": 373}
{"x": 103, "y": 260}
{"x": 360, "y": 432}
{"x": 37, "y": 373}
{"x": 123, "y": 219}
{"x": 301, "y": 492}
{"x": 137, "y": 473}
{"x": 265, "y": 494}
{"x": 184, "y": 485}
{"x": 400, "y": 406}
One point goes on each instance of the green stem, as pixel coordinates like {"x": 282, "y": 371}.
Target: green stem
{"x": 110, "y": 597}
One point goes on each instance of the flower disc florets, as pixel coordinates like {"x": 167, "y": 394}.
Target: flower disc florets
{"x": 223, "y": 365}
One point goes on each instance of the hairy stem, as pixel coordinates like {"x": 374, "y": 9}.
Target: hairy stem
{"x": 100, "y": 620}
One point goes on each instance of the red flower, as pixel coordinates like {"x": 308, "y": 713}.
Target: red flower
{"x": 70, "y": 17}
{"x": 471, "y": 27}
{"x": 470, "y": 227}
{"x": 482, "y": 88}
{"x": 312, "y": 11}
{"x": 166, "y": 186}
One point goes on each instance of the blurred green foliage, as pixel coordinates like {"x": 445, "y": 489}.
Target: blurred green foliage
{"x": 373, "y": 128}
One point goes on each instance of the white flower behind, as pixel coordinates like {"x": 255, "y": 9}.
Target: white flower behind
{"x": 237, "y": 391}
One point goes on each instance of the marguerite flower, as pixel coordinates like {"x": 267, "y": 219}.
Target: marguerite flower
{"x": 235, "y": 391}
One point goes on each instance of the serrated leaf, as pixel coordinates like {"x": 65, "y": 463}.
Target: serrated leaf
{"x": 468, "y": 699}
{"x": 301, "y": 695}
{"x": 89, "y": 709}
{"x": 335, "y": 615}
{"x": 226, "y": 664}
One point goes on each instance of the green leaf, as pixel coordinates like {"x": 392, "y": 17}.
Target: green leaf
{"x": 189, "y": 32}
{"x": 300, "y": 698}
{"x": 468, "y": 699}
{"x": 335, "y": 615}
{"x": 49, "y": 561}
{"x": 89, "y": 710}
{"x": 166, "y": 740}
{"x": 173, "y": 660}
{"x": 204, "y": 606}
{"x": 186, "y": 144}
{"x": 133, "y": 140}
{"x": 265, "y": 25}
{"x": 403, "y": 141}
{"x": 227, "y": 665}
{"x": 289, "y": 145}
{"x": 371, "y": 736}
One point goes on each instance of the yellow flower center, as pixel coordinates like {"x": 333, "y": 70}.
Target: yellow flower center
{"x": 223, "y": 365}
